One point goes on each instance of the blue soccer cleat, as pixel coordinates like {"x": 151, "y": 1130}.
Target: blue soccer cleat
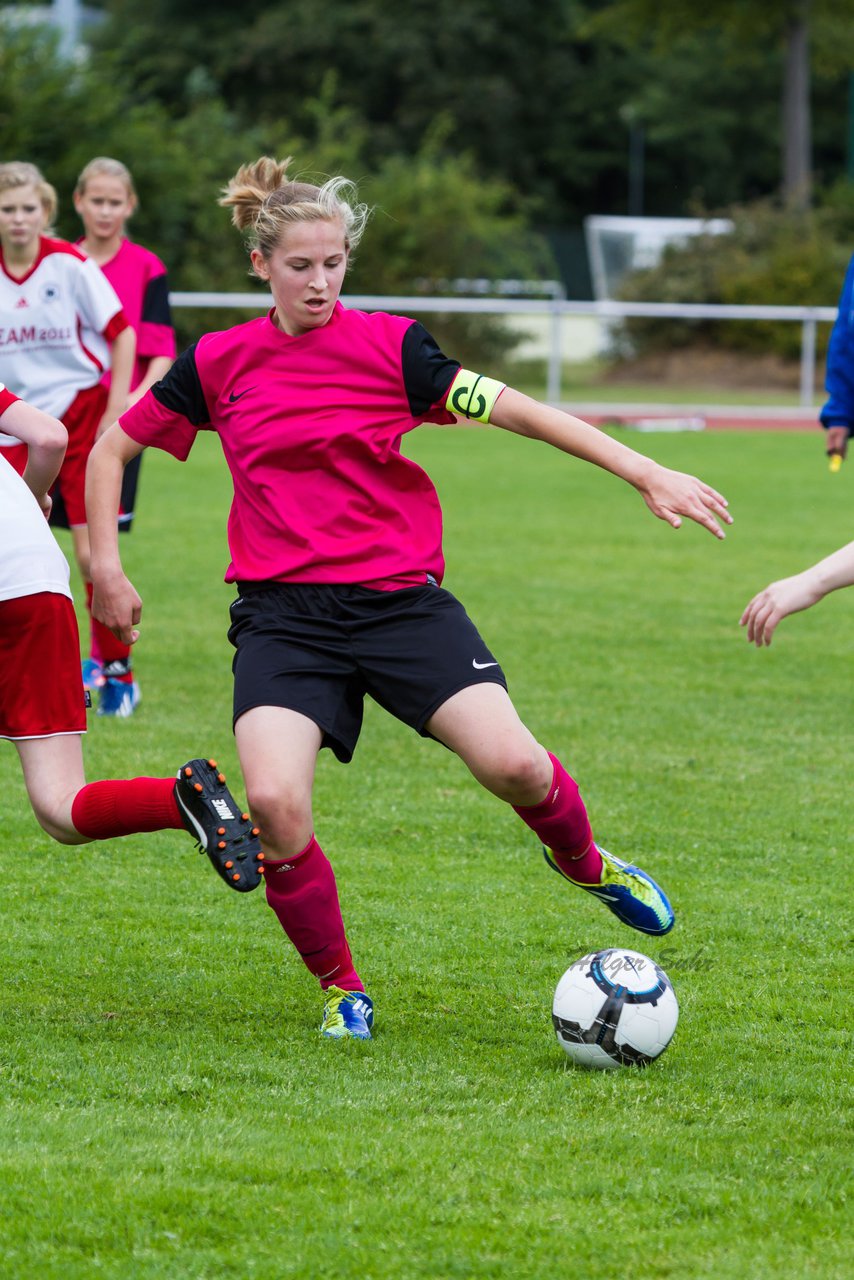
{"x": 118, "y": 698}
{"x": 347, "y": 1015}
{"x": 630, "y": 893}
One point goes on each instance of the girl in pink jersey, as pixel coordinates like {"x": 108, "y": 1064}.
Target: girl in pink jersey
{"x": 42, "y": 706}
{"x": 105, "y": 198}
{"x": 335, "y": 539}
{"x": 51, "y": 296}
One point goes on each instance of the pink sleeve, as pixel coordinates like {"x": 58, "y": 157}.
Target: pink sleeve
{"x": 149, "y": 422}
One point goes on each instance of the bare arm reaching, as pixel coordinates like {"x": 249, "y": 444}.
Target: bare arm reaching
{"x": 115, "y": 601}
{"x": 792, "y": 595}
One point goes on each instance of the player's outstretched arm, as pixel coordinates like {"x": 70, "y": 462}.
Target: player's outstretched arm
{"x": 792, "y": 595}
{"x": 45, "y": 438}
{"x": 670, "y": 495}
{"x": 115, "y": 601}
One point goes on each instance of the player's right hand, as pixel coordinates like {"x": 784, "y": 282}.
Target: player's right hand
{"x": 117, "y": 604}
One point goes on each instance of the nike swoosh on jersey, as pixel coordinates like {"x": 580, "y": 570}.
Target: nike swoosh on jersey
{"x": 239, "y": 394}
{"x": 479, "y": 666}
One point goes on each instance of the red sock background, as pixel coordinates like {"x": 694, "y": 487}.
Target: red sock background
{"x": 102, "y": 810}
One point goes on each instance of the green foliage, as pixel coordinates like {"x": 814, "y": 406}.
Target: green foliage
{"x": 540, "y": 90}
{"x": 168, "y": 1109}
{"x": 437, "y": 217}
{"x": 773, "y": 256}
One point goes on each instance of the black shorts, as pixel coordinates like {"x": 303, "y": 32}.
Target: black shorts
{"x": 319, "y": 649}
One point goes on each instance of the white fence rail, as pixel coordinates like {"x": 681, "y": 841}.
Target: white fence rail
{"x": 557, "y": 308}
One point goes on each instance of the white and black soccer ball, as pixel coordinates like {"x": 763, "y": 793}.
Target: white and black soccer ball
{"x": 614, "y": 1008}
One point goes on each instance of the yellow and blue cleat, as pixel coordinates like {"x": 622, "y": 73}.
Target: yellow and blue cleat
{"x": 347, "y": 1015}
{"x": 630, "y": 893}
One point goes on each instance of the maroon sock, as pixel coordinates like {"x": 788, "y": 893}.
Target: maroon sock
{"x": 101, "y": 810}
{"x": 302, "y": 892}
{"x": 561, "y": 822}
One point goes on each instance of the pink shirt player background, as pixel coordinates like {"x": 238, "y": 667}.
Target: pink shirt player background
{"x": 142, "y": 285}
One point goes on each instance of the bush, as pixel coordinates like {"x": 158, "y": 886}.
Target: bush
{"x": 772, "y": 256}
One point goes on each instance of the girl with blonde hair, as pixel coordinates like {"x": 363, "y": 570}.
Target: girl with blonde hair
{"x": 336, "y": 552}
{"x": 105, "y": 198}
{"x": 55, "y": 307}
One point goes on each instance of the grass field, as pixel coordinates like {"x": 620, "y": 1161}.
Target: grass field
{"x": 168, "y": 1109}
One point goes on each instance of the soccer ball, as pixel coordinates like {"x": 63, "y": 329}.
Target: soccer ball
{"x": 614, "y": 1008}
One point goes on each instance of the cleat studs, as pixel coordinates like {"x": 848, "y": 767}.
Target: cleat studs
{"x": 261, "y": 870}
{"x": 221, "y": 844}
{"x": 220, "y": 777}
{"x": 259, "y": 857}
{"x": 229, "y": 865}
{"x": 197, "y": 786}
{"x": 212, "y": 763}
{"x": 245, "y": 817}
{"x": 220, "y": 831}
{"x": 188, "y": 772}
{"x": 256, "y": 831}
{"x": 236, "y": 876}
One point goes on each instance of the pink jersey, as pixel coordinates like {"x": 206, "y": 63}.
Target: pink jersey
{"x": 43, "y": 356}
{"x": 311, "y": 428}
{"x": 142, "y": 285}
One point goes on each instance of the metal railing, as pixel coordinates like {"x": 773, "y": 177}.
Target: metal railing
{"x": 557, "y": 308}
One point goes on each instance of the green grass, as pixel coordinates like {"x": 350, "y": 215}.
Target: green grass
{"x": 168, "y": 1110}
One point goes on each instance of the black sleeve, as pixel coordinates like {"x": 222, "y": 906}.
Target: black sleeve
{"x": 181, "y": 390}
{"x": 155, "y": 301}
{"x": 427, "y": 372}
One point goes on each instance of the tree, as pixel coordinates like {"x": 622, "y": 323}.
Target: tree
{"x": 785, "y": 26}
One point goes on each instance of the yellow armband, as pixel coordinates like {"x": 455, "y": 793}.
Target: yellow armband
{"x": 473, "y": 395}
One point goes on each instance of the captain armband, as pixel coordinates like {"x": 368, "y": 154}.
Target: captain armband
{"x": 473, "y": 395}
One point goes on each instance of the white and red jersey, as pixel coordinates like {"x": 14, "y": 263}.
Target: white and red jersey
{"x": 311, "y": 428}
{"x": 30, "y": 558}
{"x": 43, "y": 357}
{"x": 142, "y": 286}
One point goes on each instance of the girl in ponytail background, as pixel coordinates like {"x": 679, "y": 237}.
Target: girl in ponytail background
{"x": 105, "y": 199}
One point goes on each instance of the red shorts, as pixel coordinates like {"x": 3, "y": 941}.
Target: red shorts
{"x": 41, "y": 686}
{"x": 81, "y": 422}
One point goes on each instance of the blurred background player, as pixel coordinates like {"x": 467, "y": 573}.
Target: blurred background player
{"x": 42, "y": 700}
{"x": 336, "y": 545}
{"x": 792, "y": 595}
{"x": 837, "y": 416}
{"x": 49, "y": 294}
{"x": 105, "y": 198}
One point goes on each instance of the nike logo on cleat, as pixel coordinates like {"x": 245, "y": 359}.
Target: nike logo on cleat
{"x": 600, "y": 893}
{"x": 222, "y": 808}
{"x": 479, "y": 666}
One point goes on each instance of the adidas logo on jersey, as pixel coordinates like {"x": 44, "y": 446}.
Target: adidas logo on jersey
{"x": 22, "y": 302}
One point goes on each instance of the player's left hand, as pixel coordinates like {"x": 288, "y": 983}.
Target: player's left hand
{"x": 673, "y": 494}
{"x": 836, "y": 442}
